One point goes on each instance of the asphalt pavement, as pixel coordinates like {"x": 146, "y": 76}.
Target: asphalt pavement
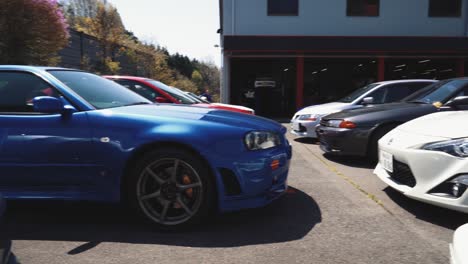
{"x": 336, "y": 211}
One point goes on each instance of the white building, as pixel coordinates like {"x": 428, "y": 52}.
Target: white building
{"x": 315, "y": 51}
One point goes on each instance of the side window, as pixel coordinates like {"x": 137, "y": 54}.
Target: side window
{"x": 397, "y": 92}
{"x": 378, "y": 95}
{"x": 140, "y": 89}
{"x": 363, "y": 8}
{"x": 414, "y": 87}
{"x": 283, "y": 8}
{"x": 18, "y": 89}
{"x": 463, "y": 92}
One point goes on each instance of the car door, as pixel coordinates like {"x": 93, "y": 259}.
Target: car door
{"x": 40, "y": 150}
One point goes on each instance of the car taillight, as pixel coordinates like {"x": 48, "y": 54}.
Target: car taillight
{"x": 347, "y": 124}
{"x": 312, "y": 119}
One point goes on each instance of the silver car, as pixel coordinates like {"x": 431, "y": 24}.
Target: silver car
{"x": 305, "y": 121}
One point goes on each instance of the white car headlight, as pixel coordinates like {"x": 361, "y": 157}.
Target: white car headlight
{"x": 309, "y": 117}
{"x": 456, "y": 147}
{"x": 257, "y": 140}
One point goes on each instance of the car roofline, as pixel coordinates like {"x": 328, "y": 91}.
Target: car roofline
{"x": 404, "y": 81}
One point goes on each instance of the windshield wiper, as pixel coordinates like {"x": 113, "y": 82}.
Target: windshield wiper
{"x": 137, "y": 103}
{"x": 417, "y": 102}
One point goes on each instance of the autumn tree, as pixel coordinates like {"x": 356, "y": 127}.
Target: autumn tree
{"x": 32, "y": 32}
{"x": 184, "y": 84}
{"x": 108, "y": 28}
{"x": 81, "y": 8}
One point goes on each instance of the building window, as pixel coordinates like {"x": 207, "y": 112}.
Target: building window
{"x": 445, "y": 8}
{"x": 363, "y": 8}
{"x": 283, "y": 7}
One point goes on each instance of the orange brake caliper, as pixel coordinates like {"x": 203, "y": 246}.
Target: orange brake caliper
{"x": 186, "y": 180}
{"x": 189, "y": 192}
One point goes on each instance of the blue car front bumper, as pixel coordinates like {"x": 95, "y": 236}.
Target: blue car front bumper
{"x": 256, "y": 183}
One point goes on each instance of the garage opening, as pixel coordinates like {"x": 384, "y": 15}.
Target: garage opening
{"x": 266, "y": 85}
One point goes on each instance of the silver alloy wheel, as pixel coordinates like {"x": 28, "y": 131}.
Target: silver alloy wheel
{"x": 169, "y": 191}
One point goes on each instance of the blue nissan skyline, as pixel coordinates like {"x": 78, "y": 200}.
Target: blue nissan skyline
{"x": 71, "y": 135}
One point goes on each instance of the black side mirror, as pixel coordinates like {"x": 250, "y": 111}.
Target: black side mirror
{"x": 460, "y": 102}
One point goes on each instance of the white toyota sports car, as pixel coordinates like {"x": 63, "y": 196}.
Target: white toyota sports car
{"x": 427, "y": 159}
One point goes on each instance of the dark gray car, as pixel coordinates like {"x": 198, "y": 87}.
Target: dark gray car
{"x": 356, "y": 132}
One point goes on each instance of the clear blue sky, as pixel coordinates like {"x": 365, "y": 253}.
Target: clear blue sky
{"x": 185, "y": 26}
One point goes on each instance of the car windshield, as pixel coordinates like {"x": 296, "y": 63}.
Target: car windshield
{"x": 194, "y": 97}
{"x": 438, "y": 92}
{"x": 178, "y": 95}
{"x": 99, "y": 92}
{"x": 197, "y": 98}
{"x": 190, "y": 95}
{"x": 356, "y": 94}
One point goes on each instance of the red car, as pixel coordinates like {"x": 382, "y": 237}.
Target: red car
{"x": 161, "y": 93}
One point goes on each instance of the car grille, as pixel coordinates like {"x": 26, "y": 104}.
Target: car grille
{"x": 402, "y": 174}
{"x": 302, "y": 129}
{"x": 324, "y": 123}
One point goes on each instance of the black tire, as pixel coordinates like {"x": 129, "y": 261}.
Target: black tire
{"x": 373, "y": 151}
{"x": 163, "y": 197}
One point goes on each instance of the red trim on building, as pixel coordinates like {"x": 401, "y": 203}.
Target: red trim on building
{"x": 356, "y": 36}
{"x": 299, "y": 82}
{"x": 461, "y": 68}
{"x": 381, "y": 69}
{"x": 347, "y": 51}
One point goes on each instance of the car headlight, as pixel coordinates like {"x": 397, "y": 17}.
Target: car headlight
{"x": 257, "y": 140}
{"x": 334, "y": 123}
{"x": 341, "y": 124}
{"x": 309, "y": 117}
{"x": 456, "y": 147}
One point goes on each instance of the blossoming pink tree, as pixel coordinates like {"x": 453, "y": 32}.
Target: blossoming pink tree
{"x": 32, "y": 32}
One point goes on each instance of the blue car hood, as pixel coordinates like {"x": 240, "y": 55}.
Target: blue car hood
{"x": 182, "y": 112}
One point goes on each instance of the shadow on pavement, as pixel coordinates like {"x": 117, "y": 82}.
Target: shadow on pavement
{"x": 289, "y": 218}
{"x": 430, "y": 213}
{"x": 355, "y": 162}
{"x": 310, "y": 141}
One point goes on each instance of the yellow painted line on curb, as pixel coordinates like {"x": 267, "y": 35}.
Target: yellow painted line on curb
{"x": 350, "y": 181}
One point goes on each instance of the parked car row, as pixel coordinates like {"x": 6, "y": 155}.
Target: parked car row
{"x": 71, "y": 135}
{"x": 161, "y": 93}
{"x": 426, "y": 158}
{"x": 305, "y": 122}
{"x": 420, "y": 141}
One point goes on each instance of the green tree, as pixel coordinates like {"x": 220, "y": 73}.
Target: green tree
{"x": 32, "y": 32}
{"x": 184, "y": 84}
{"x": 182, "y": 64}
{"x": 197, "y": 78}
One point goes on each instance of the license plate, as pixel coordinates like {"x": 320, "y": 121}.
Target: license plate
{"x": 386, "y": 160}
{"x": 295, "y": 126}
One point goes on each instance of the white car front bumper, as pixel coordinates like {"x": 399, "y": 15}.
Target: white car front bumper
{"x": 304, "y": 128}
{"x": 417, "y": 172}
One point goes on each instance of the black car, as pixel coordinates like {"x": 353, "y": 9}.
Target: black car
{"x": 356, "y": 132}
{"x": 6, "y": 257}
